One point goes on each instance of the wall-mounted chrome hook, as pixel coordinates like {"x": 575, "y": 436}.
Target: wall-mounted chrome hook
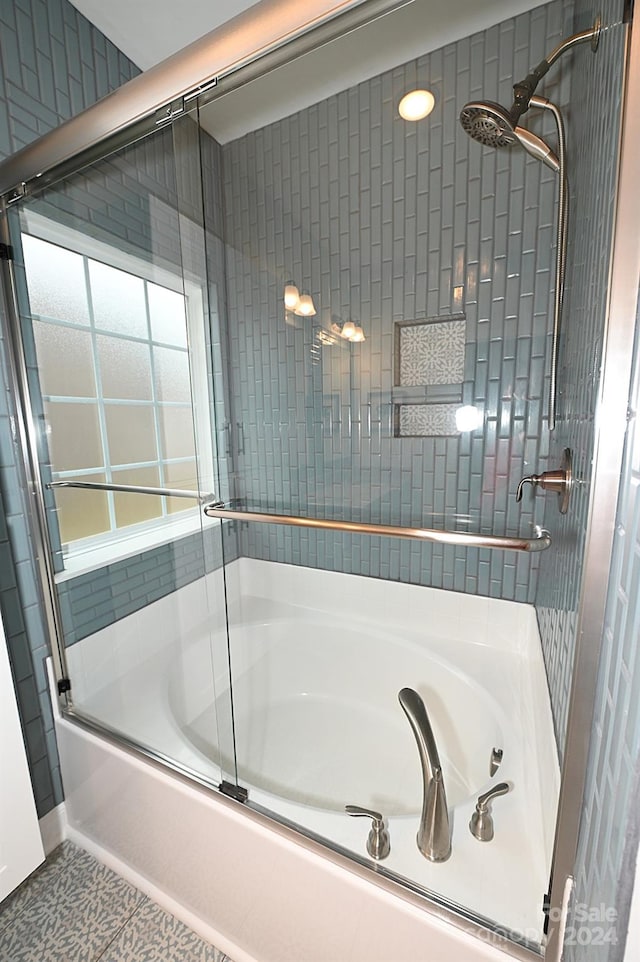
{"x": 560, "y": 481}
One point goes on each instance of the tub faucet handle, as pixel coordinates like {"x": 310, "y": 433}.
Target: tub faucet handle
{"x": 481, "y": 824}
{"x": 378, "y": 843}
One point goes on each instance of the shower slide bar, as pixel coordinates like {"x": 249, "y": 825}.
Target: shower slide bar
{"x": 133, "y": 489}
{"x": 460, "y": 538}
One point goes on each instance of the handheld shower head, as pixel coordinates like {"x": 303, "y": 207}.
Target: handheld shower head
{"x": 488, "y": 123}
{"x": 536, "y": 147}
{"x": 492, "y": 125}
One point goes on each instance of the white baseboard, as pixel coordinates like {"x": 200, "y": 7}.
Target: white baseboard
{"x": 157, "y": 895}
{"x": 53, "y": 828}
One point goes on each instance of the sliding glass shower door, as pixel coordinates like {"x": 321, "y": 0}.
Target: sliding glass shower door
{"x": 118, "y": 319}
{"x": 388, "y": 352}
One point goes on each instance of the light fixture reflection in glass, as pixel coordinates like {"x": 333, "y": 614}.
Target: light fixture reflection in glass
{"x": 348, "y": 330}
{"x": 291, "y": 296}
{"x": 468, "y": 418}
{"x": 416, "y": 105}
{"x": 305, "y": 306}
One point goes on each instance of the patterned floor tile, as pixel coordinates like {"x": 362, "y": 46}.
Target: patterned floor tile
{"x": 38, "y": 884}
{"x": 152, "y": 935}
{"x": 74, "y": 916}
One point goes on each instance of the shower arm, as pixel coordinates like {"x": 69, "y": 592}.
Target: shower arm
{"x": 561, "y": 251}
{"x": 525, "y": 89}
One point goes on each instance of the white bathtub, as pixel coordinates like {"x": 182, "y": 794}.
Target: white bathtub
{"x": 318, "y": 659}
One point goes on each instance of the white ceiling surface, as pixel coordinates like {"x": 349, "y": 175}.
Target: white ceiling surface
{"x": 148, "y": 31}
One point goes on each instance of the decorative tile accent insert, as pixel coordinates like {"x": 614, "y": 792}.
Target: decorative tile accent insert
{"x": 430, "y": 352}
{"x": 425, "y": 420}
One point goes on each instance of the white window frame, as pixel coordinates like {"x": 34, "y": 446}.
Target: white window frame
{"x": 96, "y": 551}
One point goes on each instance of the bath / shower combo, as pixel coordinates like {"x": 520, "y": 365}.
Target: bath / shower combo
{"x": 252, "y": 585}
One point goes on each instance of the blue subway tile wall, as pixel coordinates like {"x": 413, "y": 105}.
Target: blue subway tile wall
{"x": 384, "y": 221}
{"x": 99, "y": 598}
{"x": 608, "y": 845}
{"x": 53, "y": 63}
{"x": 592, "y": 144}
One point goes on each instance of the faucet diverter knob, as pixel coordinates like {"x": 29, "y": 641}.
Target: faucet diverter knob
{"x": 481, "y": 824}
{"x": 532, "y": 479}
{"x": 378, "y": 842}
{"x": 560, "y": 482}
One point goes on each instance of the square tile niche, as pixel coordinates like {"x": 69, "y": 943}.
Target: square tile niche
{"x": 429, "y": 371}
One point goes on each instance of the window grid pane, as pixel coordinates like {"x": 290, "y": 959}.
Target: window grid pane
{"x": 133, "y": 419}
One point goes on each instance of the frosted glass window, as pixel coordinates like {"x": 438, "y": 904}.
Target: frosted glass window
{"x": 114, "y": 368}
{"x": 132, "y": 508}
{"x": 176, "y": 432}
{"x": 74, "y": 435}
{"x": 82, "y": 513}
{"x": 167, "y": 313}
{"x": 172, "y": 374}
{"x": 65, "y": 360}
{"x": 55, "y": 280}
{"x": 131, "y": 433}
{"x": 118, "y": 300}
{"x": 125, "y": 368}
{"x": 185, "y": 477}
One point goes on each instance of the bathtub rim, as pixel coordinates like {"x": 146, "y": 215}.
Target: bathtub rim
{"x": 405, "y": 889}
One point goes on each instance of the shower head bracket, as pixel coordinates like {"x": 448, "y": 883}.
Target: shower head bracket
{"x": 524, "y": 90}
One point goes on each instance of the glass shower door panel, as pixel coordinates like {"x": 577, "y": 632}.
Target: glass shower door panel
{"x": 115, "y": 322}
{"x": 387, "y": 349}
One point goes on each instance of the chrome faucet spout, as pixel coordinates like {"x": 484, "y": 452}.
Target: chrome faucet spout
{"x": 434, "y": 833}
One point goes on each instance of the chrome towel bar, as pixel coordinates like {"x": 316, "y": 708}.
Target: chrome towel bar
{"x": 538, "y": 543}
{"x": 133, "y": 489}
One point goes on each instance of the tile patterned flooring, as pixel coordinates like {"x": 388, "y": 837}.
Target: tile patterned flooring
{"x": 74, "y": 909}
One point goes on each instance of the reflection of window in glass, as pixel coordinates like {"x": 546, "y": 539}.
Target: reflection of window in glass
{"x": 114, "y": 365}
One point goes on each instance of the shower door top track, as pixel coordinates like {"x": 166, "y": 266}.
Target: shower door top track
{"x": 269, "y": 34}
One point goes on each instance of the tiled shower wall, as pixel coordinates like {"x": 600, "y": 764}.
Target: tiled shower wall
{"x": 54, "y": 63}
{"x": 610, "y": 823}
{"x": 610, "y": 830}
{"x": 385, "y": 221}
{"x": 592, "y": 142}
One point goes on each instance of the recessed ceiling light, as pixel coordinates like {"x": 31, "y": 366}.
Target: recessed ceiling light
{"x": 416, "y": 104}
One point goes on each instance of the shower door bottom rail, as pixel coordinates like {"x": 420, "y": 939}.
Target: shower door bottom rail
{"x": 540, "y": 542}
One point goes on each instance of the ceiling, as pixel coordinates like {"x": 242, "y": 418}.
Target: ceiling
{"x": 148, "y": 31}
